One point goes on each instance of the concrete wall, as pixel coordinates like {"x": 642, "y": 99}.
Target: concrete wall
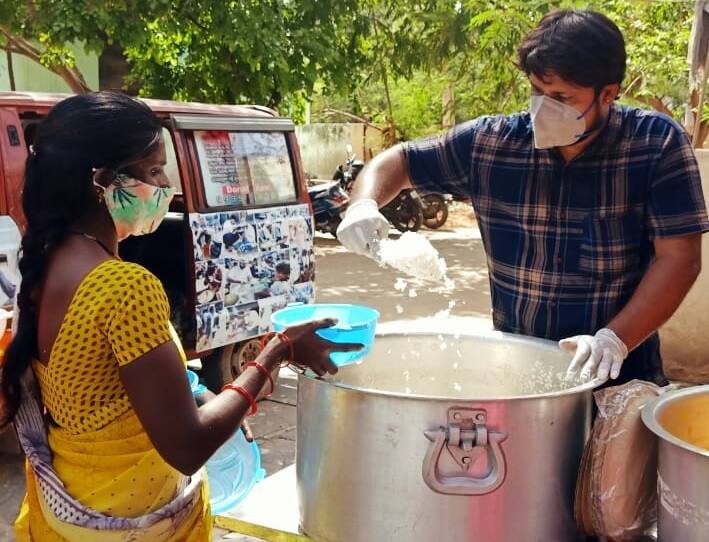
{"x": 323, "y": 145}
{"x": 685, "y": 354}
{"x": 32, "y": 77}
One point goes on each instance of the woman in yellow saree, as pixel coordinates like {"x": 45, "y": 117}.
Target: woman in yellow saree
{"x": 94, "y": 378}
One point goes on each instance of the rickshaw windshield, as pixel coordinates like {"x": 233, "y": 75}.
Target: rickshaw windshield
{"x": 245, "y": 168}
{"x": 172, "y": 169}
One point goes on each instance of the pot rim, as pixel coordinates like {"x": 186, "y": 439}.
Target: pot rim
{"x": 508, "y": 338}
{"x": 651, "y": 411}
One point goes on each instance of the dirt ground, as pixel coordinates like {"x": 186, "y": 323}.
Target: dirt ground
{"x": 460, "y": 215}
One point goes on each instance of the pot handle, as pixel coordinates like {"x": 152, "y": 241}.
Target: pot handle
{"x": 466, "y": 445}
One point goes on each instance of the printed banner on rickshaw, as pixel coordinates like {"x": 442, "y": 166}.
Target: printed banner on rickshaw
{"x": 249, "y": 264}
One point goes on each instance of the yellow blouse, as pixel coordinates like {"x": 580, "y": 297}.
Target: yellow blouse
{"x": 100, "y": 450}
{"x": 119, "y": 312}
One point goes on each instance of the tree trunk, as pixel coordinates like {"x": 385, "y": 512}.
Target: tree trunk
{"x": 703, "y": 133}
{"x": 448, "y": 119}
{"x": 389, "y": 132}
{"x": 72, "y": 77}
{"x": 655, "y": 103}
{"x": 698, "y": 47}
{"x": 11, "y": 72}
{"x": 113, "y": 69}
{"x": 274, "y": 101}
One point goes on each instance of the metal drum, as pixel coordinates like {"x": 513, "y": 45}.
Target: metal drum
{"x": 436, "y": 436}
{"x": 681, "y": 421}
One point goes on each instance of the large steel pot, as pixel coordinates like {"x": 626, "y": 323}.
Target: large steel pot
{"x": 681, "y": 421}
{"x": 435, "y": 436}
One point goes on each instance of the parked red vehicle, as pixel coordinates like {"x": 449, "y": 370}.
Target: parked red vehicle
{"x": 237, "y": 244}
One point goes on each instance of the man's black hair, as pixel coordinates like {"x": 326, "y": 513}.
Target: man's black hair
{"x": 582, "y": 47}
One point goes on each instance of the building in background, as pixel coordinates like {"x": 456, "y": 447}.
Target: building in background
{"x": 30, "y": 76}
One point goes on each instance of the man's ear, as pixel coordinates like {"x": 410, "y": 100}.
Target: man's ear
{"x": 609, "y": 93}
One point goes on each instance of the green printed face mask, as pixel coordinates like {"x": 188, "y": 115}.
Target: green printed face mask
{"x": 137, "y": 208}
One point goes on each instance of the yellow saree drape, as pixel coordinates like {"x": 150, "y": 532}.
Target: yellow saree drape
{"x": 118, "y": 472}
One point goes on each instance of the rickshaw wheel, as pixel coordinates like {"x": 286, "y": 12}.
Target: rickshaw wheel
{"x": 242, "y": 354}
{"x": 230, "y": 361}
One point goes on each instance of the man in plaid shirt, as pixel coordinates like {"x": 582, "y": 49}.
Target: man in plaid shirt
{"x": 590, "y": 213}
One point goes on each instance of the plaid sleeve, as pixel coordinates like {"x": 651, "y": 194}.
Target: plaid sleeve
{"x": 676, "y": 201}
{"x": 442, "y": 163}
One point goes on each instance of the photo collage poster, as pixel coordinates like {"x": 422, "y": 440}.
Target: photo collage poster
{"x": 248, "y": 265}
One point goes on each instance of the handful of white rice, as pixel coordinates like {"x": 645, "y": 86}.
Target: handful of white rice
{"x": 414, "y": 255}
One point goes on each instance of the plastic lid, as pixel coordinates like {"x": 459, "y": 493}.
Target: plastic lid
{"x": 195, "y": 386}
{"x": 233, "y": 471}
{"x": 234, "y": 468}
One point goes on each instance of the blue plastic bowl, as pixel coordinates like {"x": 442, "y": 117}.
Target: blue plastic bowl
{"x": 355, "y": 324}
{"x": 234, "y": 468}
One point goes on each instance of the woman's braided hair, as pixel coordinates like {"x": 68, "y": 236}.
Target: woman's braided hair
{"x": 80, "y": 134}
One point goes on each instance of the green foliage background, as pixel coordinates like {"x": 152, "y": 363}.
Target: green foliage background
{"x": 386, "y": 60}
{"x": 485, "y": 80}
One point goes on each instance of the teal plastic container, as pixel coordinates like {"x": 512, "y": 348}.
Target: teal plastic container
{"x": 234, "y": 468}
{"x": 195, "y": 385}
{"x": 355, "y": 324}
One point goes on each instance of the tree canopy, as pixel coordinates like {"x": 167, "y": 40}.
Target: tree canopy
{"x": 262, "y": 51}
{"x": 477, "y": 58}
{"x": 387, "y": 60}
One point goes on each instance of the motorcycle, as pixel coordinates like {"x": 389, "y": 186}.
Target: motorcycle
{"x": 435, "y": 209}
{"x": 404, "y": 212}
{"x": 346, "y": 173}
{"x": 329, "y": 202}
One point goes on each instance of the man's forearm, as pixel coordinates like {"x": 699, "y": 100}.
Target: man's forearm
{"x": 660, "y": 292}
{"x": 382, "y": 178}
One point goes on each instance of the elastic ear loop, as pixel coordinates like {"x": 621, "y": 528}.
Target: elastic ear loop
{"x": 101, "y": 190}
{"x": 596, "y": 95}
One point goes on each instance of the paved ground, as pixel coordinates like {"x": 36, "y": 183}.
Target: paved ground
{"x": 12, "y": 489}
{"x": 341, "y": 277}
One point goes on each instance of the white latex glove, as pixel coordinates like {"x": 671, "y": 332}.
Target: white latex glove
{"x": 363, "y": 227}
{"x": 599, "y": 355}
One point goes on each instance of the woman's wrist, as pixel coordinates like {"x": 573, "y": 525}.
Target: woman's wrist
{"x": 276, "y": 351}
{"x": 265, "y": 372}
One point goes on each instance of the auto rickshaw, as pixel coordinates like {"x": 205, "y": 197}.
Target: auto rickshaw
{"x": 237, "y": 243}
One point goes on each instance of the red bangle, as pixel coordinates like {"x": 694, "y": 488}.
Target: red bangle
{"x": 284, "y": 339}
{"x": 245, "y": 394}
{"x": 265, "y": 372}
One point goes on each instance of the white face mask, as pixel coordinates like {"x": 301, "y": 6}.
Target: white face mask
{"x": 556, "y": 124}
